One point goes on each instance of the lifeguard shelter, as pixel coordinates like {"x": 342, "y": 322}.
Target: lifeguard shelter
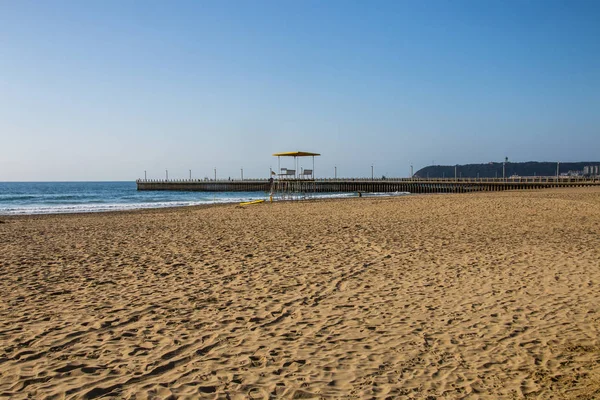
{"x": 291, "y": 183}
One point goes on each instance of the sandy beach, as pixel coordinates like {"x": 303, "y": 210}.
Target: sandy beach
{"x": 486, "y": 295}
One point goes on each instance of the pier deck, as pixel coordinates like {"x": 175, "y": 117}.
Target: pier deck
{"x": 411, "y": 185}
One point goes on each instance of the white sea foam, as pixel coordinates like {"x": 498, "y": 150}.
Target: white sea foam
{"x": 85, "y": 208}
{"x": 105, "y": 207}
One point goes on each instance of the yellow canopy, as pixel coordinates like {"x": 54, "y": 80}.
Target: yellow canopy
{"x": 296, "y": 154}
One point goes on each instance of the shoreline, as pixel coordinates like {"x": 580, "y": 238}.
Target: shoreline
{"x": 236, "y": 203}
{"x": 216, "y": 204}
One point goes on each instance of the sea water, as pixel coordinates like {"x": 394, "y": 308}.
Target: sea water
{"x": 76, "y": 197}
{"x": 17, "y": 198}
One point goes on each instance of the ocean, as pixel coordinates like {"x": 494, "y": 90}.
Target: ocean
{"x": 20, "y": 198}
{"x": 17, "y": 198}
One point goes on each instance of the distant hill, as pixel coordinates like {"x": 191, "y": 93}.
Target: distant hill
{"x": 493, "y": 170}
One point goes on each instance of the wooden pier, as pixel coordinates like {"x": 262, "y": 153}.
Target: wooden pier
{"x": 389, "y": 185}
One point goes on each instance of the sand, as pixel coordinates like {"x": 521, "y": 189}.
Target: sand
{"x": 488, "y": 295}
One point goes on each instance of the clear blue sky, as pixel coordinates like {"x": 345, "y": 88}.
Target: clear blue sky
{"x": 103, "y": 90}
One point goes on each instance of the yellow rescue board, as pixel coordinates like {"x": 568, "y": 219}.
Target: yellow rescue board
{"x": 251, "y": 202}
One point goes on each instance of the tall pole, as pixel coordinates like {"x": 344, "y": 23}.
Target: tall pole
{"x": 411, "y": 171}
{"x": 371, "y": 171}
{"x": 145, "y": 175}
{"x": 455, "y": 169}
{"x": 215, "y": 173}
{"x": 190, "y": 174}
{"x": 504, "y": 170}
{"x": 335, "y": 172}
{"x": 557, "y": 168}
{"x": 167, "y": 174}
{"x": 242, "y": 170}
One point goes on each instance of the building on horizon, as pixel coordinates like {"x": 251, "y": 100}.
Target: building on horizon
{"x": 591, "y": 170}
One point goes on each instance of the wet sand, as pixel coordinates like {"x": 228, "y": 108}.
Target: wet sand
{"x": 488, "y": 295}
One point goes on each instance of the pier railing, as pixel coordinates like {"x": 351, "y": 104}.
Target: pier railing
{"x": 412, "y": 185}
